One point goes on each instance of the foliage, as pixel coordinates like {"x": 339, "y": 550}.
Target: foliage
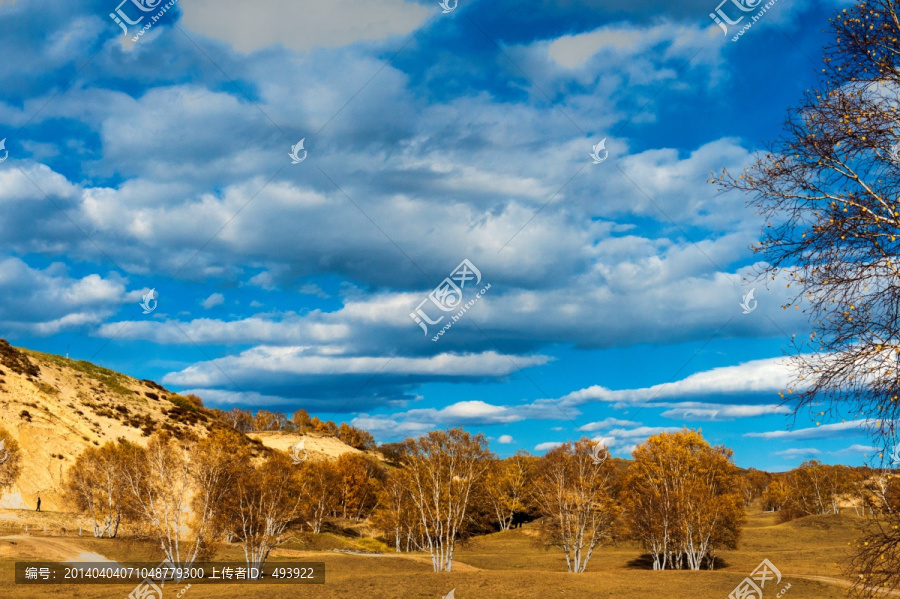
{"x": 10, "y": 460}
{"x": 94, "y": 484}
{"x": 572, "y": 492}
{"x": 265, "y": 499}
{"x": 444, "y": 467}
{"x": 682, "y": 500}
{"x": 507, "y": 487}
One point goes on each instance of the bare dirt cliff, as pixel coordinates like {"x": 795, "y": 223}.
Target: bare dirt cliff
{"x": 56, "y": 408}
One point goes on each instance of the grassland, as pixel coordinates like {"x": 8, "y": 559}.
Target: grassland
{"x": 498, "y": 566}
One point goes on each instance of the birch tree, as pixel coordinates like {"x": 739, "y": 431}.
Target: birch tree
{"x": 683, "y": 500}
{"x": 319, "y": 495}
{"x": 572, "y": 492}
{"x": 95, "y": 485}
{"x": 444, "y": 467}
{"x": 506, "y": 487}
{"x": 265, "y": 500}
{"x": 179, "y": 490}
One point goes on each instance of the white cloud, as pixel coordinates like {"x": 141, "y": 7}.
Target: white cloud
{"x": 717, "y": 411}
{"x": 826, "y": 431}
{"x": 505, "y": 439}
{"x": 858, "y": 449}
{"x": 606, "y": 423}
{"x": 216, "y": 299}
{"x": 546, "y": 446}
{"x": 756, "y": 376}
{"x": 307, "y": 360}
{"x": 798, "y": 452}
{"x": 302, "y": 25}
{"x": 47, "y": 301}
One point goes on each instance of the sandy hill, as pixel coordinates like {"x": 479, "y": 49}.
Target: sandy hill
{"x": 56, "y": 407}
{"x": 318, "y": 447}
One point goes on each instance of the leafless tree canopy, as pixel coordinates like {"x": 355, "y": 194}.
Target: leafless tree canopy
{"x": 829, "y": 190}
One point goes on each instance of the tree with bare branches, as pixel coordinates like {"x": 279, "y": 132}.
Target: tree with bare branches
{"x": 829, "y": 189}
{"x": 571, "y": 489}
{"x": 178, "y": 490}
{"x": 444, "y": 467}
{"x": 95, "y": 485}
{"x": 265, "y": 500}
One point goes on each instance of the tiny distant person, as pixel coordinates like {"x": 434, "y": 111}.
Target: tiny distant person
{"x": 39, "y": 503}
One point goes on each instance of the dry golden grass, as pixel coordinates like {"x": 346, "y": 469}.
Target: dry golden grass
{"x": 498, "y": 566}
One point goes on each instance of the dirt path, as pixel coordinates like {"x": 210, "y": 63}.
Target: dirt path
{"x": 47, "y": 548}
{"x": 841, "y": 583}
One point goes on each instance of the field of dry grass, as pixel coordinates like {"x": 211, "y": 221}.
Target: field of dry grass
{"x": 809, "y": 552}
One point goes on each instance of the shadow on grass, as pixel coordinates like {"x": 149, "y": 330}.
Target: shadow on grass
{"x": 645, "y": 562}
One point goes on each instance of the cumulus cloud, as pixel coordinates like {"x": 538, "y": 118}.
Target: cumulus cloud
{"x": 216, "y": 299}
{"x": 302, "y": 26}
{"x": 756, "y": 376}
{"x": 50, "y": 300}
{"x": 505, "y": 439}
{"x": 547, "y": 446}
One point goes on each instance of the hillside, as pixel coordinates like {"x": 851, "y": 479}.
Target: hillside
{"x": 56, "y": 407}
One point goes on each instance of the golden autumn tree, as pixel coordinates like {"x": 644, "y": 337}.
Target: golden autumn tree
{"x": 444, "y": 467}
{"x": 319, "y": 492}
{"x": 357, "y": 481}
{"x": 815, "y": 488}
{"x": 178, "y": 490}
{"x": 506, "y": 486}
{"x": 683, "y": 500}
{"x": 10, "y": 460}
{"x": 396, "y": 515}
{"x": 95, "y": 485}
{"x": 571, "y": 489}
{"x": 265, "y": 499}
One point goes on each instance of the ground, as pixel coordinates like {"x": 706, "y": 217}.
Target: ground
{"x": 809, "y": 553}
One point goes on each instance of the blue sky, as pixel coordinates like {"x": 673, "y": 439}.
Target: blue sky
{"x": 613, "y": 308}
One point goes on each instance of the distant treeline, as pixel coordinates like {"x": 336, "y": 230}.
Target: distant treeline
{"x": 815, "y": 488}
{"x": 245, "y": 421}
